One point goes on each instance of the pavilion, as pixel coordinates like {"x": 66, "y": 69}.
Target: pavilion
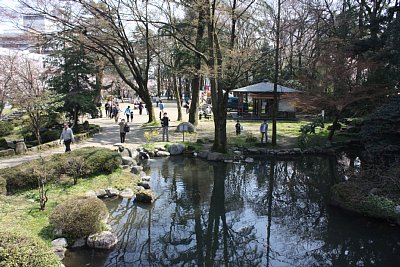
{"x": 262, "y": 96}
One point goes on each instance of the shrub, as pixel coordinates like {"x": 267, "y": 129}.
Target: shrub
{"x": 3, "y": 184}
{"x": 97, "y": 160}
{"x": 250, "y": 138}
{"x": 79, "y": 217}
{"x": 6, "y": 128}
{"x": 3, "y": 143}
{"x": 21, "y": 250}
{"x": 50, "y": 135}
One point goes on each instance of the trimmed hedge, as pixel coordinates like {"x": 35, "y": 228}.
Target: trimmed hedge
{"x": 97, "y": 160}
{"x": 19, "y": 250}
{"x": 79, "y": 217}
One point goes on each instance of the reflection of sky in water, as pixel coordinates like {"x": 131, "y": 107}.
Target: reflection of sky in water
{"x": 199, "y": 219}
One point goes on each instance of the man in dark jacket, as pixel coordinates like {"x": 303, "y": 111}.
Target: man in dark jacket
{"x": 165, "y": 124}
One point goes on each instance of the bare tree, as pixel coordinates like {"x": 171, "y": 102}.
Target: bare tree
{"x": 118, "y": 30}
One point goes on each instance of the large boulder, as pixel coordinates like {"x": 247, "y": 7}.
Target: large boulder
{"x": 145, "y": 196}
{"x": 20, "y": 148}
{"x": 102, "y": 240}
{"x": 176, "y": 149}
{"x": 59, "y": 247}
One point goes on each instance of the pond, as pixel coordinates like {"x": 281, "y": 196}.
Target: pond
{"x": 266, "y": 213}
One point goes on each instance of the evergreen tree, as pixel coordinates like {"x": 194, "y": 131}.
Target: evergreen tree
{"x": 73, "y": 78}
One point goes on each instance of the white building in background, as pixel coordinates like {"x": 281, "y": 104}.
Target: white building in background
{"x": 28, "y": 37}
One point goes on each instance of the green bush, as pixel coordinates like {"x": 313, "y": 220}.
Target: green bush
{"x": 3, "y": 143}
{"x": 79, "y": 217}
{"x": 18, "y": 250}
{"x": 97, "y": 160}
{"x": 3, "y": 186}
{"x": 50, "y": 135}
{"x": 6, "y": 128}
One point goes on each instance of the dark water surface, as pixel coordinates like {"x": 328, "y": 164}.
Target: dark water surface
{"x": 267, "y": 213}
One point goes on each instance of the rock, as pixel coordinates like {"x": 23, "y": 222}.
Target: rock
{"x": 249, "y": 160}
{"x": 228, "y": 161}
{"x": 112, "y": 192}
{"x": 203, "y": 154}
{"x": 90, "y": 193}
{"x": 151, "y": 153}
{"x": 160, "y": 148}
{"x": 127, "y": 160}
{"x": 397, "y": 210}
{"x": 297, "y": 150}
{"x": 60, "y": 252}
{"x": 162, "y": 154}
{"x": 215, "y": 156}
{"x": 373, "y": 191}
{"x": 127, "y": 193}
{"x": 136, "y": 169}
{"x": 135, "y": 155}
{"x": 20, "y": 148}
{"x": 142, "y": 174}
{"x": 59, "y": 243}
{"x": 81, "y": 242}
{"x": 176, "y": 149}
{"x": 143, "y": 155}
{"x": 103, "y": 240}
{"x": 237, "y": 152}
{"x": 145, "y": 196}
{"x": 146, "y": 185}
{"x": 253, "y": 151}
{"x": 139, "y": 188}
{"x": 146, "y": 178}
{"x": 57, "y": 232}
{"x": 126, "y": 152}
{"x": 101, "y": 193}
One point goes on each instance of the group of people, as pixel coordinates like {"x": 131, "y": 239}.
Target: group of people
{"x": 113, "y": 110}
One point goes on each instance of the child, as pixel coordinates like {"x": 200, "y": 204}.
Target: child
{"x": 238, "y": 127}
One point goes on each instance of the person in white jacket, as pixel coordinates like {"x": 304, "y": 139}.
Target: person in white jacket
{"x": 68, "y": 136}
{"x": 264, "y": 131}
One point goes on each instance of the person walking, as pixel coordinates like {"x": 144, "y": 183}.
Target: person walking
{"x": 161, "y": 106}
{"x": 123, "y": 129}
{"x": 128, "y": 113}
{"x": 264, "y": 131}
{"x": 165, "y": 124}
{"x": 140, "y": 108}
{"x": 67, "y": 136}
{"x": 116, "y": 113}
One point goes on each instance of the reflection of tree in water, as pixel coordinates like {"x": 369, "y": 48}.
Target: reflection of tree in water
{"x": 272, "y": 213}
{"x": 198, "y": 237}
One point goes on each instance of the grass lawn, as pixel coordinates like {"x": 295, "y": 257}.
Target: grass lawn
{"x": 21, "y": 212}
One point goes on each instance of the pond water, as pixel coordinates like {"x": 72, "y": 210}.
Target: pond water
{"x": 267, "y": 213}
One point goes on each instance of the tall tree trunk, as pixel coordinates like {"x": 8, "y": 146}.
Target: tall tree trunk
{"x": 276, "y": 75}
{"x": 177, "y": 97}
{"x": 194, "y": 105}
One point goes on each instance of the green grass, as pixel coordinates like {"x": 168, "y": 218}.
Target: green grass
{"x": 19, "y": 213}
